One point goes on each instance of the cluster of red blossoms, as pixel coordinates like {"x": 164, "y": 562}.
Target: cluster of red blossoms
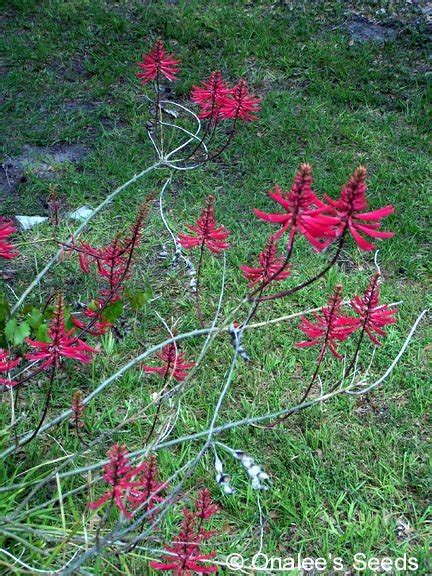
{"x": 305, "y": 214}
{"x": 62, "y": 343}
{"x": 206, "y": 233}
{"x": 271, "y": 266}
{"x": 7, "y": 250}
{"x": 6, "y": 365}
{"x": 333, "y": 325}
{"x": 174, "y": 364}
{"x": 185, "y": 555}
{"x": 215, "y": 98}
{"x": 319, "y": 222}
{"x": 217, "y": 101}
{"x": 130, "y": 486}
{"x": 113, "y": 263}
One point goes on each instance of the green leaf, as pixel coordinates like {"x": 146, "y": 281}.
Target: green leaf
{"x": 42, "y": 333}
{"x": 35, "y": 318}
{"x": 15, "y": 332}
{"x": 4, "y": 308}
{"x": 113, "y": 311}
{"x": 139, "y": 299}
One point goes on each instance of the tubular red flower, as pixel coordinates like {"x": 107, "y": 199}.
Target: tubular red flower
{"x": 270, "y": 263}
{"x": 62, "y": 344}
{"x": 206, "y": 232}
{"x": 148, "y": 491}
{"x": 239, "y": 104}
{"x": 135, "y": 486}
{"x": 350, "y": 208}
{"x": 7, "y": 250}
{"x": 374, "y": 316}
{"x": 6, "y": 365}
{"x": 185, "y": 556}
{"x": 304, "y": 212}
{"x": 209, "y": 95}
{"x": 113, "y": 263}
{"x": 158, "y": 62}
{"x": 329, "y": 327}
{"x": 118, "y": 473}
{"x": 173, "y": 364}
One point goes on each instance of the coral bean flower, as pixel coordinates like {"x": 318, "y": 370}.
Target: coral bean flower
{"x": 174, "y": 364}
{"x": 206, "y": 232}
{"x": 147, "y": 491}
{"x": 185, "y": 556}
{"x": 374, "y": 316}
{"x": 304, "y": 212}
{"x": 209, "y": 95}
{"x": 62, "y": 343}
{"x": 239, "y": 104}
{"x": 157, "y": 63}
{"x": 270, "y": 263}
{"x": 130, "y": 485}
{"x": 119, "y": 474}
{"x": 350, "y": 210}
{"x": 7, "y": 250}
{"x": 329, "y": 327}
{"x": 7, "y": 364}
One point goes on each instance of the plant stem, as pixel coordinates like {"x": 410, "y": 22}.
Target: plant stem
{"x": 46, "y": 407}
{"x": 311, "y": 280}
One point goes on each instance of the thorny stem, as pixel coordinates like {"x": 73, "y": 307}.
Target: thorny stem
{"x": 209, "y": 433}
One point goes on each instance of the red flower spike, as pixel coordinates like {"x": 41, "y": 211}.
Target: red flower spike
{"x": 157, "y": 63}
{"x": 239, "y": 104}
{"x": 6, "y": 365}
{"x": 209, "y": 95}
{"x": 374, "y": 317}
{"x": 185, "y": 556}
{"x": 304, "y": 212}
{"x": 77, "y": 408}
{"x": 206, "y": 232}
{"x": 270, "y": 263}
{"x": 113, "y": 263}
{"x": 61, "y": 345}
{"x": 350, "y": 207}
{"x": 137, "y": 485}
{"x": 7, "y": 250}
{"x": 149, "y": 488}
{"x": 118, "y": 473}
{"x": 330, "y": 327}
{"x": 205, "y": 509}
{"x": 174, "y": 364}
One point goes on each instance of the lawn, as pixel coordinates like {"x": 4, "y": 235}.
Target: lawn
{"x": 341, "y": 84}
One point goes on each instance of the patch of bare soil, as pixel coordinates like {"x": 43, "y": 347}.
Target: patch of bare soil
{"x": 39, "y": 160}
{"x": 362, "y": 30}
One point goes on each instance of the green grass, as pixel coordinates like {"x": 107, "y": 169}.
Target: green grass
{"x": 344, "y": 474}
